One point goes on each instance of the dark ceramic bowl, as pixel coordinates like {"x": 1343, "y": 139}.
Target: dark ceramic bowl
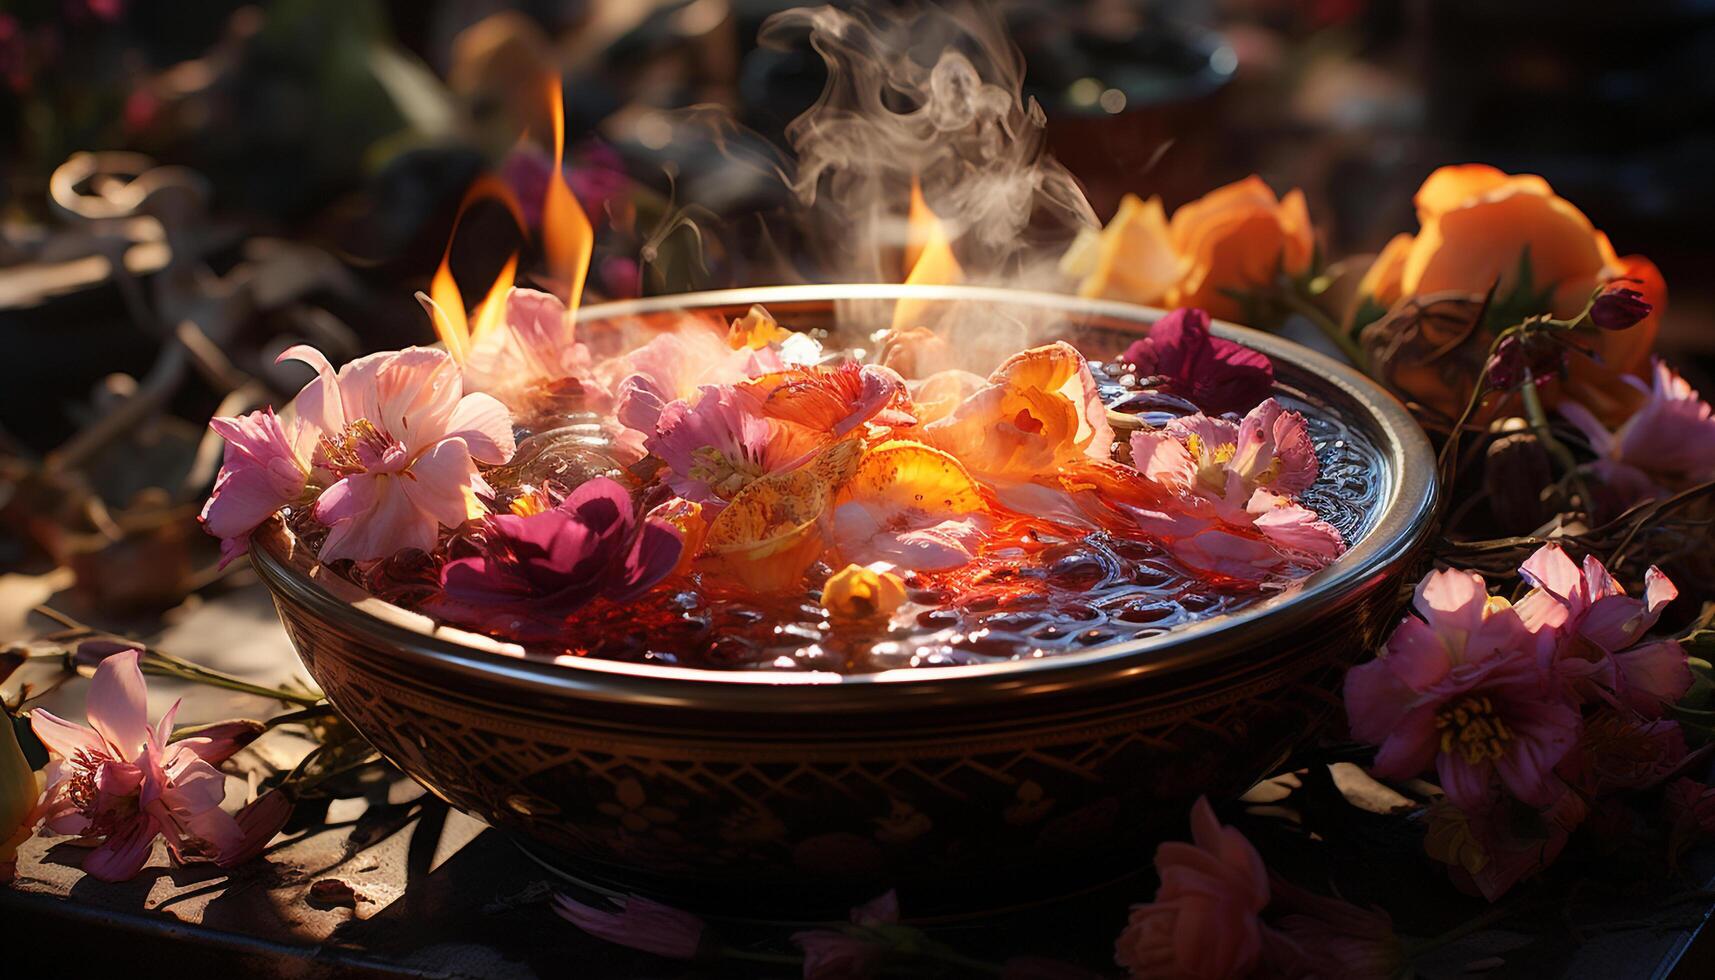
{"x": 967, "y": 788}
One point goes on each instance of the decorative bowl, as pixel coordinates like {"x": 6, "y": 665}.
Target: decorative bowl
{"x": 967, "y": 788}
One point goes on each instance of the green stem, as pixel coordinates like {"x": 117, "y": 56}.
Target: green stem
{"x": 1329, "y": 328}
{"x": 214, "y": 678}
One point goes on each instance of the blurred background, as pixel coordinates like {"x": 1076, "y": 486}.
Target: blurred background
{"x": 186, "y": 188}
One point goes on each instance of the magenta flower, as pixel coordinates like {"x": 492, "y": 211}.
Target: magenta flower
{"x": 119, "y": 783}
{"x": 1463, "y": 686}
{"x": 1596, "y": 630}
{"x": 400, "y": 440}
{"x": 1619, "y": 308}
{"x": 638, "y": 924}
{"x": 595, "y": 173}
{"x": 1204, "y": 921}
{"x": 1218, "y": 375}
{"x": 718, "y": 444}
{"x": 266, "y": 467}
{"x": 1667, "y": 444}
{"x": 538, "y": 569}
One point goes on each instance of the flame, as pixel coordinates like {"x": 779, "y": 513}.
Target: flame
{"x": 567, "y": 237}
{"x": 448, "y": 311}
{"x": 929, "y": 256}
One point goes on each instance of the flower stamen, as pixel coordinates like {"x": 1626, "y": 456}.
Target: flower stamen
{"x": 1472, "y": 729}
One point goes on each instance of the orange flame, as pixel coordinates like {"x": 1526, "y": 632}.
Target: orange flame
{"x": 456, "y": 330}
{"x": 567, "y": 237}
{"x": 929, "y": 256}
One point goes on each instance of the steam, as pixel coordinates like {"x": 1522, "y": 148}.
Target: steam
{"x": 933, "y": 93}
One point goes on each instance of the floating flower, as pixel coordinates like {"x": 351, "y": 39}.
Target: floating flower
{"x": 1217, "y": 374}
{"x": 717, "y": 444}
{"x": 1236, "y": 478}
{"x": 835, "y": 400}
{"x": 863, "y": 591}
{"x": 1204, "y": 922}
{"x": 771, "y": 532}
{"x": 1596, "y": 630}
{"x": 532, "y": 352}
{"x": 120, "y": 783}
{"x": 400, "y": 441}
{"x": 1462, "y": 686}
{"x": 1039, "y": 410}
{"x": 910, "y": 505}
{"x": 673, "y": 366}
{"x": 266, "y": 467}
{"x": 639, "y": 924}
{"x": 1667, "y": 444}
{"x": 538, "y": 569}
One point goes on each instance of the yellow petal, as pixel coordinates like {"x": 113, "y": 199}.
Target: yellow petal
{"x": 1132, "y": 259}
{"x": 901, "y": 474}
{"x": 860, "y": 591}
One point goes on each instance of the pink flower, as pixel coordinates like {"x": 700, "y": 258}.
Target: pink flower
{"x": 259, "y": 821}
{"x": 266, "y": 467}
{"x": 1218, "y": 375}
{"x": 1488, "y": 851}
{"x": 1334, "y": 938}
{"x": 1619, "y": 750}
{"x": 718, "y": 444}
{"x": 1462, "y": 685}
{"x": 121, "y": 783}
{"x": 1235, "y": 486}
{"x": 400, "y": 439}
{"x": 536, "y": 570}
{"x": 673, "y": 366}
{"x": 1204, "y": 921}
{"x": 533, "y": 350}
{"x": 1596, "y": 629}
{"x": 851, "y": 955}
{"x": 1667, "y": 444}
{"x": 639, "y": 924}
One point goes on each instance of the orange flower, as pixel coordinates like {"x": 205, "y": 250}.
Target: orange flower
{"x": 1236, "y": 238}
{"x": 1476, "y": 225}
{"x": 1232, "y": 239}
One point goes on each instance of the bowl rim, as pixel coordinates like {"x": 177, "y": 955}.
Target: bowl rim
{"x": 1405, "y": 519}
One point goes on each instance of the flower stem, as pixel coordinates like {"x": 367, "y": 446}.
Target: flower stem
{"x": 180, "y": 670}
{"x": 1537, "y": 416}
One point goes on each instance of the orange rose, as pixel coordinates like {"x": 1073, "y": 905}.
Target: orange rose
{"x": 1476, "y": 223}
{"x": 1237, "y": 238}
{"x": 1232, "y": 239}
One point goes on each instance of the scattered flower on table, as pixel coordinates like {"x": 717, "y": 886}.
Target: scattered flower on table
{"x": 1664, "y": 446}
{"x": 1464, "y": 687}
{"x": 119, "y": 783}
{"x": 639, "y": 924}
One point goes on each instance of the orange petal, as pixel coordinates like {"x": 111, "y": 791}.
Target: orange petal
{"x": 1134, "y": 259}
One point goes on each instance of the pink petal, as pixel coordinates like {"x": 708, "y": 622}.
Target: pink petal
{"x": 1652, "y": 676}
{"x": 319, "y": 403}
{"x": 437, "y": 481}
{"x": 486, "y": 427}
{"x": 1163, "y": 459}
{"x": 1452, "y": 602}
{"x": 118, "y": 703}
{"x": 1601, "y": 440}
{"x": 1411, "y": 747}
{"x": 411, "y": 394}
{"x": 1549, "y": 568}
{"x": 64, "y": 738}
{"x": 371, "y": 517}
{"x": 1659, "y": 590}
{"x": 124, "y": 853}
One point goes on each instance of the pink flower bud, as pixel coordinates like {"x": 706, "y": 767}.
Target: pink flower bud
{"x": 259, "y": 820}
{"x": 639, "y": 924}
